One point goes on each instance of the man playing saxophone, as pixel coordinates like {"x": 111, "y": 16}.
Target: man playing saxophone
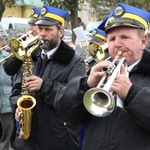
{"x": 54, "y": 65}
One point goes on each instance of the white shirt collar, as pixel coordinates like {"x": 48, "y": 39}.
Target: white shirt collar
{"x": 131, "y": 67}
{"x": 49, "y": 53}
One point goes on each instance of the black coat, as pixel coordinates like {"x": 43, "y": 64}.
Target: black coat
{"x": 49, "y": 131}
{"x": 124, "y": 129}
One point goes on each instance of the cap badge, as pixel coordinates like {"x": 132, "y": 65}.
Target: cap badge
{"x": 43, "y": 11}
{"x": 32, "y": 12}
{"x": 118, "y": 12}
{"x": 94, "y": 32}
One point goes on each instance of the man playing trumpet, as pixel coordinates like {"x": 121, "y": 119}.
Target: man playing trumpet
{"x": 128, "y": 126}
{"x": 12, "y": 65}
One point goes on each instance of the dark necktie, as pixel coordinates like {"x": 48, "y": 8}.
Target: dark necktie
{"x": 44, "y": 59}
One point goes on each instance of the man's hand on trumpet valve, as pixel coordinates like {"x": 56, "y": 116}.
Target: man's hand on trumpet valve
{"x": 34, "y": 83}
{"x": 121, "y": 84}
{"x": 97, "y": 72}
{"x": 29, "y": 35}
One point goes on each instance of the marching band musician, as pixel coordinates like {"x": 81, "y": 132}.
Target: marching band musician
{"x": 49, "y": 131}
{"x": 35, "y": 12}
{"x": 128, "y": 126}
{"x": 98, "y": 36}
{"x": 12, "y": 64}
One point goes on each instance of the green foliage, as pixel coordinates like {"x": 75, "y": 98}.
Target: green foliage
{"x": 69, "y": 5}
{"x": 9, "y": 3}
{"x": 103, "y": 7}
{"x": 63, "y": 4}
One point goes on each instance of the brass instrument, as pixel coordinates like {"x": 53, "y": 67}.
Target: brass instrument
{"x": 26, "y": 102}
{"x": 18, "y": 48}
{"x": 19, "y": 39}
{"x": 2, "y": 48}
{"x": 24, "y": 36}
{"x": 94, "y": 50}
{"x": 100, "y": 101}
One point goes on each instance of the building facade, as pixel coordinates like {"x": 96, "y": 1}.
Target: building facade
{"x": 23, "y": 8}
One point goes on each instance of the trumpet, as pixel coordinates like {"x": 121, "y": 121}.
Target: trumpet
{"x": 100, "y": 101}
{"x": 24, "y": 36}
{"x": 18, "y": 48}
{"x": 19, "y": 39}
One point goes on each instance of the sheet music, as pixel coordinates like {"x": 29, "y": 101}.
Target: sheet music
{"x": 80, "y": 34}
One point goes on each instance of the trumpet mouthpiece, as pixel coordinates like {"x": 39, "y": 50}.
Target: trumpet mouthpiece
{"x": 119, "y": 53}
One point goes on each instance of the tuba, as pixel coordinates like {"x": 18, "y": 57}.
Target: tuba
{"x": 100, "y": 101}
{"x": 26, "y": 102}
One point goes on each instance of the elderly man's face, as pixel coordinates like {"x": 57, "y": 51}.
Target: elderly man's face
{"x": 127, "y": 40}
{"x": 51, "y": 36}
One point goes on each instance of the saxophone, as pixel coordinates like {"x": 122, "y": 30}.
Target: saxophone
{"x": 26, "y": 102}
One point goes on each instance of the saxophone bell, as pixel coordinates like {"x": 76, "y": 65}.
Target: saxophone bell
{"x": 26, "y": 103}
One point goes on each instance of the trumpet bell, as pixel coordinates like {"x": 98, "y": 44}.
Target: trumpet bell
{"x": 17, "y": 48}
{"x": 99, "y": 102}
{"x": 96, "y": 51}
